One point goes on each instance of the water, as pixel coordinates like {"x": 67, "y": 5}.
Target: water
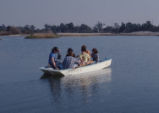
{"x": 130, "y": 85}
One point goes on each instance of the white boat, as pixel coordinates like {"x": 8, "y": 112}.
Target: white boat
{"x": 82, "y": 69}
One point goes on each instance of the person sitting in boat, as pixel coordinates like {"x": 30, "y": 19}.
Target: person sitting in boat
{"x": 70, "y": 61}
{"x": 87, "y": 51}
{"x": 95, "y": 56}
{"x": 84, "y": 56}
{"x": 54, "y": 58}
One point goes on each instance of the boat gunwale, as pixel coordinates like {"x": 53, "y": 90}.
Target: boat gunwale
{"x": 62, "y": 70}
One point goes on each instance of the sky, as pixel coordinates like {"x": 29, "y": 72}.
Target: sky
{"x": 40, "y": 12}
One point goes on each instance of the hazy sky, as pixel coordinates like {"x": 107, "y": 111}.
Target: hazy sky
{"x": 40, "y": 12}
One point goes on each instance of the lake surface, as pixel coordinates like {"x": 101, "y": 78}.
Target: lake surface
{"x": 130, "y": 85}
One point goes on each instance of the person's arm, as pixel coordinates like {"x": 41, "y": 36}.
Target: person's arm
{"x": 53, "y": 62}
{"x": 64, "y": 63}
{"x": 97, "y": 59}
{"x": 59, "y": 56}
{"x": 89, "y": 60}
{"x": 81, "y": 60}
{"x": 89, "y": 52}
{"x": 77, "y": 61}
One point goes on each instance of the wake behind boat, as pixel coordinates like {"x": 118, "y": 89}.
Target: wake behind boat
{"x": 83, "y": 69}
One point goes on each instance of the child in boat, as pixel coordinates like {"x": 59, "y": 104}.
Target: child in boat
{"x": 54, "y": 58}
{"x": 87, "y": 51}
{"x": 95, "y": 56}
{"x": 85, "y": 56}
{"x": 70, "y": 61}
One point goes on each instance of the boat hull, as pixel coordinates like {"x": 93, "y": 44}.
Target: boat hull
{"x": 79, "y": 70}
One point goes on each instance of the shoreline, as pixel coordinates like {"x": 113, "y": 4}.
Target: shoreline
{"x": 94, "y": 34}
{"x": 110, "y": 34}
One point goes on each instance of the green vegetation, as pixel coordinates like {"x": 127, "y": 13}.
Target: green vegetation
{"x": 42, "y": 35}
{"x": 83, "y": 28}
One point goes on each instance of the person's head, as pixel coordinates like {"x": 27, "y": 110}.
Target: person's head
{"x": 83, "y": 48}
{"x": 55, "y": 50}
{"x": 70, "y": 52}
{"x": 94, "y": 50}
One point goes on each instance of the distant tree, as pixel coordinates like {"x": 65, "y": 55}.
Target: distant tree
{"x": 13, "y": 30}
{"x": 26, "y": 29}
{"x": 47, "y": 28}
{"x": 108, "y": 29}
{"x": 116, "y": 28}
{"x": 77, "y": 29}
{"x": 55, "y": 29}
{"x": 70, "y": 27}
{"x": 147, "y": 26}
{"x": 84, "y": 29}
{"x": 62, "y": 27}
{"x": 99, "y": 27}
{"x": 32, "y": 27}
{"x": 122, "y": 27}
{"x": 3, "y": 28}
{"x": 129, "y": 27}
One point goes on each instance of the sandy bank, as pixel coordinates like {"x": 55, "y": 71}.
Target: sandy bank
{"x": 111, "y": 34}
{"x": 84, "y": 34}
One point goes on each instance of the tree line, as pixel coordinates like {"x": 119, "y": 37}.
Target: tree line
{"x": 83, "y": 28}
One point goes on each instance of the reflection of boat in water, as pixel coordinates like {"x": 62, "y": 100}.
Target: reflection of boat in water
{"x": 87, "y": 79}
{"x": 84, "y": 69}
{"x": 84, "y": 84}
